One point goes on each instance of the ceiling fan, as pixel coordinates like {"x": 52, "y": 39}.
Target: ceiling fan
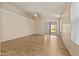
{"x": 36, "y": 14}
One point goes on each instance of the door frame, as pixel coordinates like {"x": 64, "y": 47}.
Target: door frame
{"x": 54, "y": 23}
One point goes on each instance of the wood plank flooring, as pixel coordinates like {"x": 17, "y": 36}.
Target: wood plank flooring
{"x": 34, "y": 45}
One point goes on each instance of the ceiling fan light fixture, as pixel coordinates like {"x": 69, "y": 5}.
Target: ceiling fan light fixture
{"x": 35, "y": 14}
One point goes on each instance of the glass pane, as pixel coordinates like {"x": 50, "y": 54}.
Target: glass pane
{"x": 53, "y": 28}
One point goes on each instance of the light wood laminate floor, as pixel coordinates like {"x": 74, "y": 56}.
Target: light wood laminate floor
{"x": 34, "y": 45}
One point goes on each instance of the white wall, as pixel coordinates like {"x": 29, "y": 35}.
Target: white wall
{"x": 75, "y": 22}
{"x": 14, "y": 24}
{"x": 67, "y": 32}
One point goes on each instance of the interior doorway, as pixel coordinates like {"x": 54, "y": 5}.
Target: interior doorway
{"x": 50, "y": 28}
{"x": 53, "y": 28}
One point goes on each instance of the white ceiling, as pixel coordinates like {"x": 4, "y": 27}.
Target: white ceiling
{"x": 45, "y": 8}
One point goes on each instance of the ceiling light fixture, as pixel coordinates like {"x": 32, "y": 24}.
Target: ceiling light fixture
{"x": 36, "y": 14}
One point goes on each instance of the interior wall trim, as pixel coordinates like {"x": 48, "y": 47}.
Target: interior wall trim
{"x": 13, "y": 13}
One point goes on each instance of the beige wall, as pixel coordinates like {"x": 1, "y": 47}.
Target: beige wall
{"x": 14, "y": 24}
{"x": 66, "y": 32}
{"x": 0, "y": 28}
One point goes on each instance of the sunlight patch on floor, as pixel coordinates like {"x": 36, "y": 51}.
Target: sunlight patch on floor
{"x": 50, "y": 37}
